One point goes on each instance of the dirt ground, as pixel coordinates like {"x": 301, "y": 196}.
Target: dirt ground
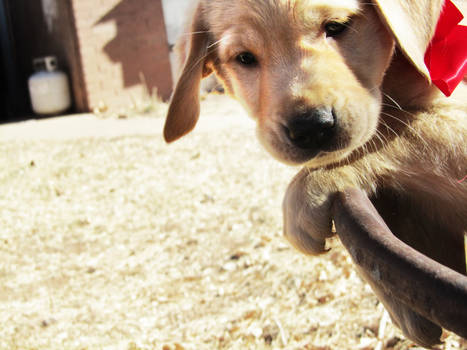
{"x": 110, "y": 239}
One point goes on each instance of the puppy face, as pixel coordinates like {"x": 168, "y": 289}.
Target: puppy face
{"x": 308, "y": 71}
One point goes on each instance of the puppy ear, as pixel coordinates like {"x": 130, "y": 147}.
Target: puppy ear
{"x": 184, "y": 106}
{"x": 413, "y": 24}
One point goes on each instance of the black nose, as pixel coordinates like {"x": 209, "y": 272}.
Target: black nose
{"x": 312, "y": 128}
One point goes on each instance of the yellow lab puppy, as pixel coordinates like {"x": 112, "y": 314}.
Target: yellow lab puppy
{"x": 341, "y": 88}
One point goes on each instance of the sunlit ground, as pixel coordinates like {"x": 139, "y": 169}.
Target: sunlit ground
{"x": 123, "y": 242}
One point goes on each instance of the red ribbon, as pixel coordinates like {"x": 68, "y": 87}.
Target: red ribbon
{"x": 446, "y": 57}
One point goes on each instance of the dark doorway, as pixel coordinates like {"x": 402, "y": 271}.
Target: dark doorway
{"x": 14, "y": 99}
{"x": 5, "y": 114}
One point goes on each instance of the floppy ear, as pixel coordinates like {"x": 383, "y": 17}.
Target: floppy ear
{"x": 413, "y": 23}
{"x": 183, "y": 110}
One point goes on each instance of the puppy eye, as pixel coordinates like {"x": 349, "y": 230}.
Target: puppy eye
{"x": 247, "y": 59}
{"x": 333, "y": 28}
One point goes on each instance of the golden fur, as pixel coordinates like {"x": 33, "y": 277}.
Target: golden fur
{"x": 398, "y": 137}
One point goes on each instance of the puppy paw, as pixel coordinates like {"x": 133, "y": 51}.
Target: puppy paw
{"x": 307, "y": 218}
{"x": 308, "y": 242}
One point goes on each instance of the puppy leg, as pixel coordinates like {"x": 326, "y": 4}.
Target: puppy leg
{"x": 439, "y": 238}
{"x": 441, "y": 243}
{"x": 413, "y": 325}
{"x": 307, "y": 218}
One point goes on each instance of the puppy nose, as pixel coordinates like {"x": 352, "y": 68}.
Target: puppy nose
{"x": 312, "y": 128}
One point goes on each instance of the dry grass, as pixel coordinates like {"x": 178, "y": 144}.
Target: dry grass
{"x": 127, "y": 243}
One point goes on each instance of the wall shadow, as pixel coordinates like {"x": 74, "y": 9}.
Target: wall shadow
{"x": 140, "y": 44}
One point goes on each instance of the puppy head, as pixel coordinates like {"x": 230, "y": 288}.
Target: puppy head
{"x": 308, "y": 71}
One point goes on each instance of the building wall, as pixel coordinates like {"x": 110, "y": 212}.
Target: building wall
{"x": 114, "y": 51}
{"x": 124, "y": 50}
{"x": 175, "y": 13}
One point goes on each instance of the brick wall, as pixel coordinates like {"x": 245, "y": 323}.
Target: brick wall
{"x": 124, "y": 51}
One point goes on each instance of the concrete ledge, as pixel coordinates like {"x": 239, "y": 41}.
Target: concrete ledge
{"x": 89, "y": 126}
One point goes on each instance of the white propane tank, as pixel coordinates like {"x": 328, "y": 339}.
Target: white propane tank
{"x": 48, "y": 87}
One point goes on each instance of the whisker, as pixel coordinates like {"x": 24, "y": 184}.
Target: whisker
{"x": 374, "y": 145}
{"x": 208, "y": 52}
{"x": 393, "y": 101}
{"x": 218, "y": 41}
{"x": 389, "y": 128}
{"x": 192, "y": 33}
{"x": 382, "y": 138}
{"x": 349, "y": 26}
{"x": 411, "y": 128}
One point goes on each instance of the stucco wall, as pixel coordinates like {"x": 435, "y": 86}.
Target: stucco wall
{"x": 175, "y": 13}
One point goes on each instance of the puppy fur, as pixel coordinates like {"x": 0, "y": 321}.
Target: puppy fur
{"x": 395, "y": 135}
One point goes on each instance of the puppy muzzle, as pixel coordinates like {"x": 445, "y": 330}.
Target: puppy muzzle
{"x": 312, "y": 129}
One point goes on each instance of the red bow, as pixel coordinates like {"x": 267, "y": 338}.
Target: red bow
{"x": 446, "y": 57}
